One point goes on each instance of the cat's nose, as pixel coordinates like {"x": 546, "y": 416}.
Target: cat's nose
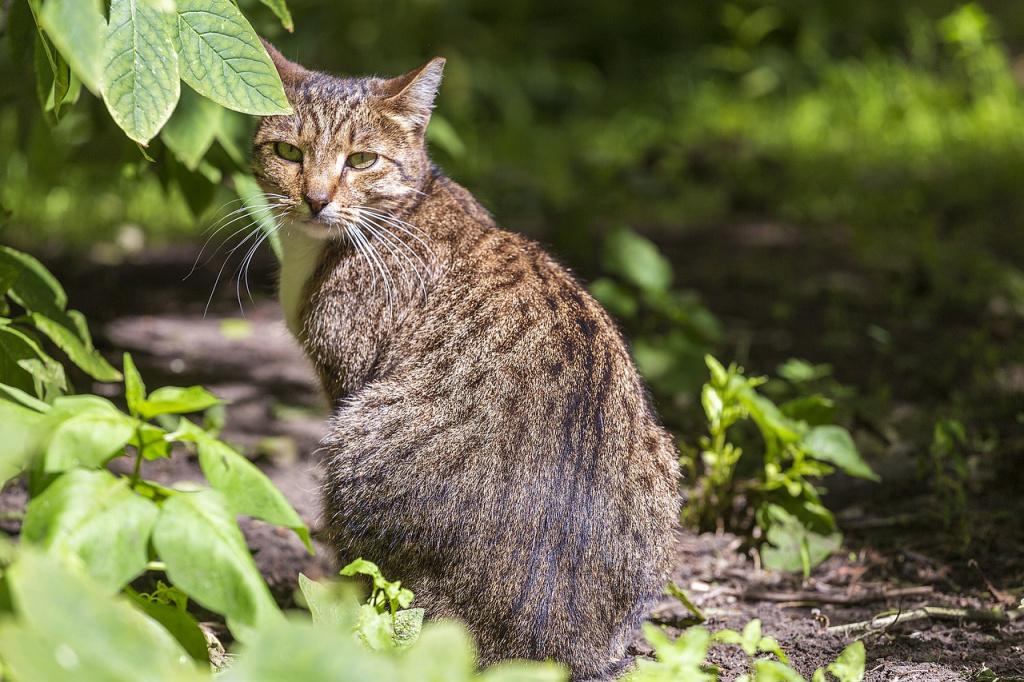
{"x": 316, "y": 202}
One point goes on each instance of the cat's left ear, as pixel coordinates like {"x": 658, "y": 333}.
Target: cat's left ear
{"x": 413, "y": 93}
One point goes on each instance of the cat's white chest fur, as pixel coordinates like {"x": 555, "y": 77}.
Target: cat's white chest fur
{"x": 300, "y": 254}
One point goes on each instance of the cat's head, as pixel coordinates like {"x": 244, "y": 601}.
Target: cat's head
{"x": 351, "y": 147}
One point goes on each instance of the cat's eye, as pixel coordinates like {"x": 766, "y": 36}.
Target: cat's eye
{"x": 361, "y": 160}
{"x": 288, "y": 152}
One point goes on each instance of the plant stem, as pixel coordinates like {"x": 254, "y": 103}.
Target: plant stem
{"x": 137, "y": 469}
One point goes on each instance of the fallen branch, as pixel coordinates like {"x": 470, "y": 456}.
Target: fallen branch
{"x": 929, "y": 613}
{"x": 812, "y": 597}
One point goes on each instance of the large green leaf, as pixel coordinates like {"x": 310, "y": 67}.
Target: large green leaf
{"x": 89, "y": 440}
{"x": 69, "y": 628}
{"x": 247, "y": 490}
{"x": 140, "y": 79}
{"x": 222, "y": 58}
{"x": 302, "y": 651}
{"x": 192, "y": 128}
{"x": 62, "y": 332}
{"x": 834, "y": 445}
{"x": 97, "y": 517}
{"x": 206, "y": 556}
{"x": 78, "y": 29}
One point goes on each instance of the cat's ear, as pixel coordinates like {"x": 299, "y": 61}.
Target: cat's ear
{"x": 412, "y": 94}
{"x": 290, "y": 72}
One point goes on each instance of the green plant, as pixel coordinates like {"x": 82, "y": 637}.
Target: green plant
{"x": 134, "y": 55}
{"x": 949, "y": 474}
{"x": 685, "y": 658}
{"x": 782, "y": 464}
{"x": 385, "y": 620}
{"x": 119, "y": 526}
{"x": 43, "y": 639}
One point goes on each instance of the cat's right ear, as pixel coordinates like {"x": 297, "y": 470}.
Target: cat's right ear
{"x": 290, "y": 72}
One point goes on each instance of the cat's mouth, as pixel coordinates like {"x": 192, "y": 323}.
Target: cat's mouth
{"x": 317, "y": 227}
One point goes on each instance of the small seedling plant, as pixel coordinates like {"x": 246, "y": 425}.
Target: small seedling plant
{"x": 790, "y": 451}
{"x": 685, "y": 658}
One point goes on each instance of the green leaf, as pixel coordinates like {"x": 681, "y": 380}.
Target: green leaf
{"x": 637, "y": 260}
{"x": 791, "y": 546}
{"x": 82, "y": 633}
{"x": 408, "y": 624}
{"x": 35, "y": 289}
{"x": 140, "y": 78}
{"x": 176, "y": 400}
{"x": 24, "y": 365}
{"x": 177, "y": 621}
{"x": 375, "y": 629}
{"x": 681, "y": 659}
{"x": 23, "y": 398}
{"x": 328, "y": 603}
{"x": 192, "y": 128}
{"x": 800, "y": 371}
{"x": 443, "y": 652}
{"x": 98, "y": 518}
{"x": 849, "y": 667}
{"x": 78, "y": 29}
{"x": 88, "y": 440}
{"x": 773, "y": 671}
{"x": 79, "y": 351}
{"x": 206, "y": 556}
{"x": 222, "y": 58}
{"x": 280, "y": 10}
{"x": 524, "y": 671}
{"x": 615, "y": 297}
{"x": 769, "y": 418}
{"x": 247, "y": 490}
{"x": 302, "y": 651}
{"x": 151, "y": 441}
{"x": 134, "y": 388}
{"x": 834, "y": 445}
{"x": 22, "y": 431}
{"x": 814, "y": 409}
{"x": 442, "y": 134}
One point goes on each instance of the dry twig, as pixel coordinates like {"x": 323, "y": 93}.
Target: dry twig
{"x": 928, "y": 613}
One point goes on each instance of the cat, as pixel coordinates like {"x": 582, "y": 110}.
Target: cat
{"x": 491, "y": 443}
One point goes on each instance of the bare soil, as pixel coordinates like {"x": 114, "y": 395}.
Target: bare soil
{"x": 893, "y": 559}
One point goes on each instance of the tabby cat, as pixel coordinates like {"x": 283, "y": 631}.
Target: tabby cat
{"x": 491, "y": 443}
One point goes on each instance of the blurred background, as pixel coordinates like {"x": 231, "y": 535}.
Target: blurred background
{"x": 828, "y": 193}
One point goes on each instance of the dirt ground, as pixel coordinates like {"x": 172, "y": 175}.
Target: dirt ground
{"x": 890, "y": 560}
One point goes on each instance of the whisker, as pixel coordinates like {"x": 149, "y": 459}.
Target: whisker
{"x": 371, "y": 252}
{"x": 397, "y": 248}
{"x": 399, "y": 224}
{"x": 251, "y": 212}
{"x": 227, "y": 259}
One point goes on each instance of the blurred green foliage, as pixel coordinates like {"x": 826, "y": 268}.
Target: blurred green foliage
{"x": 901, "y": 119}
